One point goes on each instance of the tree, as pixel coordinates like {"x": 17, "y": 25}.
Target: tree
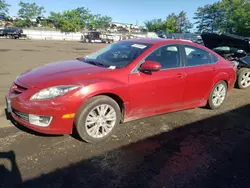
{"x": 209, "y": 17}
{"x": 172, "y": 24}
{"x": 230, "y": 16}
{"x": 182, "y": 23}
{"x": 155, "y": 25}
{"x": 98, "y": 21}
{"x": 30, "y": 11}
{"x": 4, "y": 8}
{"x": 67, "y": 21}
{"x": 236, "y": 16}
{"x": 22, "y": 23}
{"x": 76, "y": 19}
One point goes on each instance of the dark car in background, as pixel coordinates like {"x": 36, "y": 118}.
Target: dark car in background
{"x": 11, "y": 32}
{"x": 97, "y": 37}
{"x": 233, "y": 48}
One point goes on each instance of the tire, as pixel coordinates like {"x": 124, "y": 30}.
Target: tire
{"x": 83, "y": 115}
{"x": 210, "y": 103}
{"x": 243, "y": 72}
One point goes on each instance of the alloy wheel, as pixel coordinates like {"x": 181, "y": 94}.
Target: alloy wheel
{"x": 245, "y": 80}
{"x": 100, "y": 121}
{"x": 219, "y": 95}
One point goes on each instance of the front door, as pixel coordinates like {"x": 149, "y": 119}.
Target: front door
{"x": 158, "y": 91}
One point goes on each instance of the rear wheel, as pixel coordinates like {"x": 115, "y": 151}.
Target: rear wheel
{"x": 217, "y": 95}
{"x": 243, "y": 79}
{"x": 97, "y": 119}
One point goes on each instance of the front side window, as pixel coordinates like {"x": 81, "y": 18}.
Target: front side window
{"x": 167, "y": 56}
{"x": 196, "y": 56}
{"x": 117, "y": 55}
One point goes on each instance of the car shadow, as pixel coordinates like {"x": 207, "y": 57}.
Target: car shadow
{"x": 9, "y": 177}
{"x": 213, "y": 152}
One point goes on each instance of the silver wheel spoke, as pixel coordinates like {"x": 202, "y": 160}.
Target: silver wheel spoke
{"x": 91, "y": 130}
{"x": 245, "y": 79}
{"x": 96, "y": 131}
{"x": 105, "y": 128}
{"x": 219, "y": 95}
{"x": 100, "y": 121}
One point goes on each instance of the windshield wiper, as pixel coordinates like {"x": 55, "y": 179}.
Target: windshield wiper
{"x": 95, "y": 63}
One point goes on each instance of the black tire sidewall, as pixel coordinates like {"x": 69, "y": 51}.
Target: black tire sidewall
{"x": 210, "y": 100}
{"x": 84, "y": 111}
{"x": 241, "y": 72}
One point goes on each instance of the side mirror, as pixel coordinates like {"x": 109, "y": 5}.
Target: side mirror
{"x": 150, "y": 66}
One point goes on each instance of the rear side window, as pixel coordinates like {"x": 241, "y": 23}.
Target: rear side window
{"x": 196, "y": 56}
{"x": 214, "y": 59}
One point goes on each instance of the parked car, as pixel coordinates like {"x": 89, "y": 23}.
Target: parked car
{"x": 233, "y": 48}
{"x": 124, "y": 81}
{"x": 97, "y": 37}
{"x": 1, "y": 32}
{"x": 11, "y": 32}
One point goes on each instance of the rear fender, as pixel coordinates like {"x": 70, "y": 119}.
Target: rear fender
{"x": 219, "y": 77}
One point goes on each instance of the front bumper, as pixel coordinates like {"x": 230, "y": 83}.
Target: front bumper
{"x": 19, "y": 106}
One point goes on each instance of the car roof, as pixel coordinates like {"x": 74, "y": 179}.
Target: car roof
{"x": 160, "y": 41}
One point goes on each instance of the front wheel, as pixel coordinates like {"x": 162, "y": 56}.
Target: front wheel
{"x": 217, "y": 95}
{"x": 97, "y": 119}
{"x": 243, "y": 80}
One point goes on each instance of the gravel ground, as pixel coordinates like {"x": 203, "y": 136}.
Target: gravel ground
{"x": 192, "y": 148}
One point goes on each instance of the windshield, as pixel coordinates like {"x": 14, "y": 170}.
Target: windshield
{"x": 117, "y": 55}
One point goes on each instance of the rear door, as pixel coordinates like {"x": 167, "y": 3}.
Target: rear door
{"x": 200, "y": 67}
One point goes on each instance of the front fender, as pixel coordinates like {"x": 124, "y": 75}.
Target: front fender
{"x": 101, "y": 86}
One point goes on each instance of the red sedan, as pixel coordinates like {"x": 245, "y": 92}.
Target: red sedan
{"x": 124, "y": 81}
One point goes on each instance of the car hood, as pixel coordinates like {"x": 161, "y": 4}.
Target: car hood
{"x": 67, "y": 72}
{"x": 213, "y": 40}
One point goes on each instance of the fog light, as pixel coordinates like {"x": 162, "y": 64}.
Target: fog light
{"x": 42, "y": 121}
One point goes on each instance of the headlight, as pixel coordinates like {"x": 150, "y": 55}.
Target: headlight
{"x": 52, "y": 92}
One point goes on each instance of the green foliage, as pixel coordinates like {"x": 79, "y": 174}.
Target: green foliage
{"x": 76, "y": 19}
{"x": 30, "y": 10}
{"x": 155, "y": 25}
{"x": 183, "y": 24}
{"x": 230, "y": 16}
{"x": 22, "y": 23}
{"x": 4, "y": 7}
{"x": 172, "y": 23}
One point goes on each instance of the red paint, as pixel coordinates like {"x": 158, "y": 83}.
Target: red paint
{"x": 142, "y": 94}
{"x": 150, "y": 66}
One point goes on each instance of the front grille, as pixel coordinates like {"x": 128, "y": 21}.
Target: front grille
{"x": 17, "y": 89}
{"x": 21, "y": 115}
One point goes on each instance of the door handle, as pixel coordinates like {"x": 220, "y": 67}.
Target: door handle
{"x": 214, "y": 69}
{"x": 181, "y": 75}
